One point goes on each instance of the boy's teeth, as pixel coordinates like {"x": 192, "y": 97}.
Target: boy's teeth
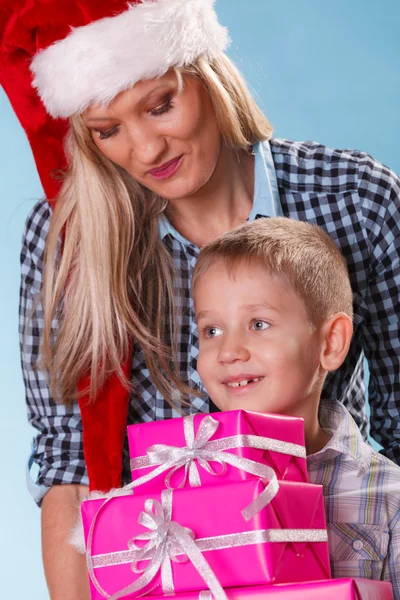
{"x": 243, "y": 382}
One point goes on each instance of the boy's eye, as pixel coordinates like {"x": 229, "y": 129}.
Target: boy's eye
{"x": 212, "y": 332}
{"x": 259, "y": 325}
{"x": 104, "y": 135}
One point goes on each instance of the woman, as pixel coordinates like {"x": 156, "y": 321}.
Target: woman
{"x": 166, "y": 151}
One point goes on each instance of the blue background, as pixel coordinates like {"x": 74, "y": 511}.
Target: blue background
{"x": 327, "y": 71}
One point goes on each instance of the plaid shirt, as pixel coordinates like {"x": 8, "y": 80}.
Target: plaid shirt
{"x": 347, "y": 193}
{"x": 362, "y": 501}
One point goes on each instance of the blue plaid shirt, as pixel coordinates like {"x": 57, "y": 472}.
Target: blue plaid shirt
{"x": 347, "y": 193}
{"x": 362, "y": 501}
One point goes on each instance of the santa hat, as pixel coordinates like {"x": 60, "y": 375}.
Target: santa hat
{"x": 57, "y": 57}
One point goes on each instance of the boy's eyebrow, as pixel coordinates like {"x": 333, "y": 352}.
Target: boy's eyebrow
{"x": 204, "y": 314}
{"x": 258, "y": 306}
{"x": 207, "y": 314}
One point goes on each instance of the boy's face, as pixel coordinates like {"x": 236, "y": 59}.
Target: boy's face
{"x": 257, "y": 349}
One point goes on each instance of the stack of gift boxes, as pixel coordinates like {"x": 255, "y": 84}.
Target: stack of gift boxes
{"x": 219, "y": 507}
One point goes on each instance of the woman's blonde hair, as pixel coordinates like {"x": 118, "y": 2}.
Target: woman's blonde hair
{"x": 113, "y": 279}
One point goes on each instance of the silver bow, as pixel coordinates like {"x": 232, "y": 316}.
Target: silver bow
{"x": 202, "y": 449}
{"x": 165, "y": 540}
{"x": 162, "y": 545}
{"x": 195, "y": 450}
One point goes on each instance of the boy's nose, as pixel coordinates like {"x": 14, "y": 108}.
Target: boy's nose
{"x": 233, "y": 350}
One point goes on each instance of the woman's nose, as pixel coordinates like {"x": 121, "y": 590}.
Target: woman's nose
{"x": 147, "y": 146}
{"x": 233, "y": 349}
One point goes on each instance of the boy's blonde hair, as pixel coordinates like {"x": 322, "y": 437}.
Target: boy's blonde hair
{"x": 301, "y": 255}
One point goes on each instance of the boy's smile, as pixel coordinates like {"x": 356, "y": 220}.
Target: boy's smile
{"x": 258, "y": 350}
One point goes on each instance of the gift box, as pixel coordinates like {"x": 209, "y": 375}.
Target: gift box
{"x": 194, "y": 450}
{"x": 185, "y": 540}
{"x": 334, "y": 589}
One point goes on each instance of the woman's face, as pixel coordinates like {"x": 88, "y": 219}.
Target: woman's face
{"x": 168, "y": 141}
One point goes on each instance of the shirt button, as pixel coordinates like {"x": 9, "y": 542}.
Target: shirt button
{"x": 358, "y": 545}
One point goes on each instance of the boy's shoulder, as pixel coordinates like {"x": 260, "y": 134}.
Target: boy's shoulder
{"x": 360, "y": 484}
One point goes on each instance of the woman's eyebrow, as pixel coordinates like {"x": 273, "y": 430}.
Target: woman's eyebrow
{"x": 98, "y": 120}
{"x": 166, "y": 87}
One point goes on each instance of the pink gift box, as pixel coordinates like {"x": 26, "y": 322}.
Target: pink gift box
{"x": 334, "y": 589}
{"x": 250, "y": 558}
{"x": 282, "y": 433}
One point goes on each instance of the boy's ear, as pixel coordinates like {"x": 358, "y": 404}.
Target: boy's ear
{"x": 337, "y": 332}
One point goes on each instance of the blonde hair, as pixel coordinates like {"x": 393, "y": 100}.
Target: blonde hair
{"x": 113, "y": 280}
{"x": 301, "y": 255}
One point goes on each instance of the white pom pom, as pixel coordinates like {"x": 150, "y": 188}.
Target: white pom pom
{"x": 77, "y": 536}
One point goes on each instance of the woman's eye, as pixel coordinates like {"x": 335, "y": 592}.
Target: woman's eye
{"x": 259, "y": 325}
{"x": 212, "y": 332}
{"x": 104, "y": 135}
{"x": 163, "y": 108}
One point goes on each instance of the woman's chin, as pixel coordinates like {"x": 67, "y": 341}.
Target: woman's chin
{"x": 178, "y": 187}
{"x": 177, "y": 191}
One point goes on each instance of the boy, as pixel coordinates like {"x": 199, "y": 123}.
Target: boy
{"x": 273, "y": 304}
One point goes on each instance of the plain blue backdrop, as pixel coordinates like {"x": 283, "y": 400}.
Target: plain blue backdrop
{"x": 327, "y": 71}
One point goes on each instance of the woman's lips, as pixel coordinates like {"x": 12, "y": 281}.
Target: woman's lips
{"x": 167, "y": 169}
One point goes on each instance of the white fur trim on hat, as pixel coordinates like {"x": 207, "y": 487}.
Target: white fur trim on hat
{"x": 97, "y": 61}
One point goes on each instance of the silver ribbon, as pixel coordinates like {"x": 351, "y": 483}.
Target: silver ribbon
{"x": 195, "y": 450}
{"x": 167, "y": 541}
{"x": 201, "y": 450}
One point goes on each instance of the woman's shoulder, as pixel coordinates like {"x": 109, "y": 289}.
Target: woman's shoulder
{"x": 310, "y": 150}
{"x": 38, "y": 219}
{"x": 312, "y": 167}
{"x": 34, "y": 236}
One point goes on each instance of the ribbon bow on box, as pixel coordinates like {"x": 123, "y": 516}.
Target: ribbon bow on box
{"x": 168, "y": 541}
{"x": 200, "y": 450}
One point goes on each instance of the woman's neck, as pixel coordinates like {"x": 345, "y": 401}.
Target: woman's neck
{"x": 219, "y": 206}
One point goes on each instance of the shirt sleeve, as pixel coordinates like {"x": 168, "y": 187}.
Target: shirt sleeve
{"x": 380, "y": 193}
{"x": 57, "y": 447}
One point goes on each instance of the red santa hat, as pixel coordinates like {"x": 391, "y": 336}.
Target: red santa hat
{"x": 58, "y": 57}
